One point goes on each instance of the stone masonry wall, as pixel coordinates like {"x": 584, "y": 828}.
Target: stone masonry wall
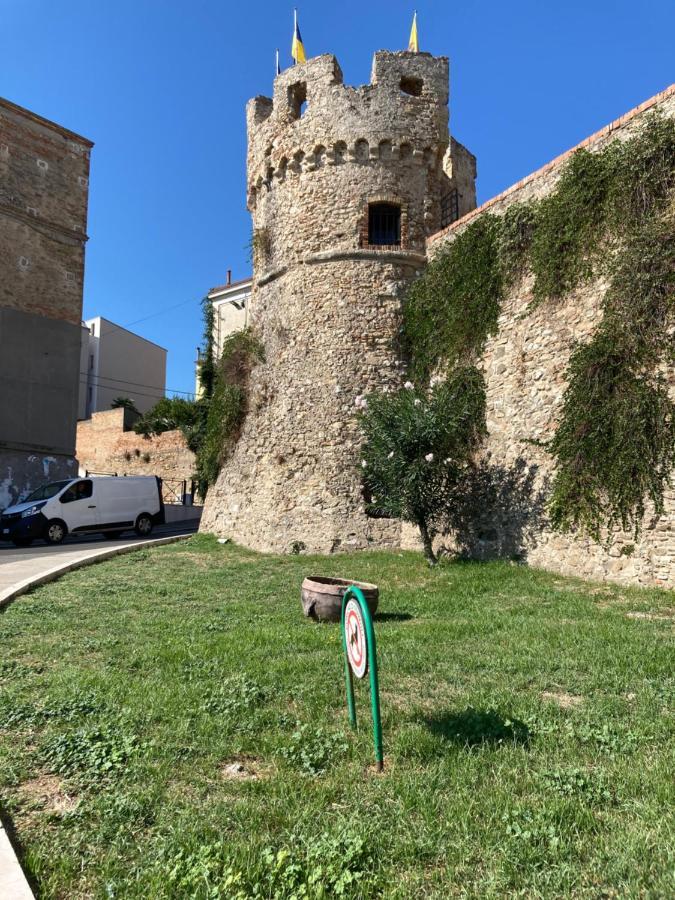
{"x": 44, "y": 182}
{"x": 524, "y": 366}
{"x": 325, "y": 303}
{"x": 104, "y": 446}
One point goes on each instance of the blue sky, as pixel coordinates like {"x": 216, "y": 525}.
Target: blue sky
{"x": 161, "y": 85}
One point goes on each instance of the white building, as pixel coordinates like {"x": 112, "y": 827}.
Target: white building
{"x": 118, "y": 363}
{"x": 230, "y": 303}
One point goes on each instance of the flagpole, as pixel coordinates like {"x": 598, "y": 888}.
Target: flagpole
{"x": 278, "y": 71}
{"x": 295, "y": 31}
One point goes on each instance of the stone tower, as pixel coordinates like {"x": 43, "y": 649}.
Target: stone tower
{"x": 344, "y": 186}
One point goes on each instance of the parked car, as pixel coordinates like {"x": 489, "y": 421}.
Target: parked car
{"x": 84, "y": 505}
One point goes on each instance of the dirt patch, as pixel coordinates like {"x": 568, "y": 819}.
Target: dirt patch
{"x": 198, "y": 559}
{"x": 666, "y": 615}
{"x": 245, "y": 768}
{"x": 48, "y": 794}
{"x": 563, "y": 699}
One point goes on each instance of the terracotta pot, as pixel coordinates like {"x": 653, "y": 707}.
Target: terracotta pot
{"x": 322, "y": 596}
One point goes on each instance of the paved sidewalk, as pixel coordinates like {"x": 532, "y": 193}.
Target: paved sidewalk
{"x": 18, "y": 575}
{"x": 22, "y": 568}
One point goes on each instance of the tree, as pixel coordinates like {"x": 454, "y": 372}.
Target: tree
{"x": 418, "y": 444}
{"x": 172, "y": 413}
{"x": 124, "y": 403}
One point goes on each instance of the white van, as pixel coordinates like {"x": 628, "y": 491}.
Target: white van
{"x": 83, "y": 505}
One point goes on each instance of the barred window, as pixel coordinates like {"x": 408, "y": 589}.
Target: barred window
{"x": 384, "y": 224}
{"x": 449, "y": 207}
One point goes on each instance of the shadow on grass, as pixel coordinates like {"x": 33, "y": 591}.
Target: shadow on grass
{"x": 477, "y": 727}
{"x": 393, "y": 617}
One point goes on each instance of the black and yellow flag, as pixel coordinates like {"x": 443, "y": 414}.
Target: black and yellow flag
{"x": 297, "y": 47}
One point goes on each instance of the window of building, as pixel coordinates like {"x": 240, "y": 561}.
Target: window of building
{"x": 412, "y": 86}
{"x": 384, "y": 224}
{"x": 449, "y": 207}
{"x": 297, "y": 99}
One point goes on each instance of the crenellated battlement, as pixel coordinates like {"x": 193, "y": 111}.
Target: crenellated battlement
{"x": 275, "y": 170}
{"x": 314, "y": 119}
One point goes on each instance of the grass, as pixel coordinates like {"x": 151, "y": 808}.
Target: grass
{"x": 170, "y": 726}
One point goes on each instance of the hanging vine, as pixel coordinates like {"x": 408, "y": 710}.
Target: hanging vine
{"x": 611, "y": 213}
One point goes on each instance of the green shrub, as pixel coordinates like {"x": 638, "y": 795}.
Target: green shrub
{"x": 418, "y": 445}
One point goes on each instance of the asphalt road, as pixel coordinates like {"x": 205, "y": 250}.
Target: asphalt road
{"x": 41, "y": 551}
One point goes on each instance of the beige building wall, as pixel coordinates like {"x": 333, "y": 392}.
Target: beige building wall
{"x": 120, "y": 363}
{"x": 231, "y": 314}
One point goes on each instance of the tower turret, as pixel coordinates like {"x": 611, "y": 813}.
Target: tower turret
{"x": 344, "y": 186}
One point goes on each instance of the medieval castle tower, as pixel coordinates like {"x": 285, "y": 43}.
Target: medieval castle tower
{"x": 344, "y": 186}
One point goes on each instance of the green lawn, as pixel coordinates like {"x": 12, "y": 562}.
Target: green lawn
{"x": 171, "y": 726}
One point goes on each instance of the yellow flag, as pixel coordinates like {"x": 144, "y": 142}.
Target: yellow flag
{"x": 297, "y": 47}
{"x": 413, "y": 43}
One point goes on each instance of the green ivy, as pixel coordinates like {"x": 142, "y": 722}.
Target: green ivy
{"x": 228, "y": 404}
{"x": 454, "y": 306}
{"x": 614, "y": 445}
{"x": 569, "y": 231}
{"x": 610, "y": 214}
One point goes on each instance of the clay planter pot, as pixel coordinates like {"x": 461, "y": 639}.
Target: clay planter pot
{"x": 322, "y": 597}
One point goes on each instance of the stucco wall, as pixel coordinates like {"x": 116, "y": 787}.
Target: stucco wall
{"x": 524, "y": 366}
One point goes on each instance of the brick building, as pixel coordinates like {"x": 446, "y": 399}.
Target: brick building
{"x": 44, "y": 184}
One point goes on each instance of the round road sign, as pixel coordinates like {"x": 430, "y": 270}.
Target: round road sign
{"x": 355, "y": 637}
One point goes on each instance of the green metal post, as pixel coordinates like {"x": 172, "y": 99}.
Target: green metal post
{"x": 355, "y": 592}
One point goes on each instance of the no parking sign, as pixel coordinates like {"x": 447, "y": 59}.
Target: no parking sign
{"x": 358, "y": 641}
{"x": 355, "y": 636}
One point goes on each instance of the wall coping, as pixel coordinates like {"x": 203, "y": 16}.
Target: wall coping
{"x": 47, "y": 123}
{"x": 554, "y": 163}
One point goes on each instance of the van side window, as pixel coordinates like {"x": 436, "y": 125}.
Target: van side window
{"x": 81, "y": 490}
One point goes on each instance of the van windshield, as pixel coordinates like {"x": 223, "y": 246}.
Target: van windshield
{"x": 48, "y": 490}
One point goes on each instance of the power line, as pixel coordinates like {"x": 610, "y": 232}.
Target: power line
{"x": 153, "y": 387}
{"x": 137, "y": 393}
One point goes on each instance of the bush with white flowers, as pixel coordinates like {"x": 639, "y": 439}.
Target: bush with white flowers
{"x": 418, "y": 443}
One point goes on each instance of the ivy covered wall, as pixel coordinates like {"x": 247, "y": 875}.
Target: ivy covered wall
{"x": 563, "y": 296}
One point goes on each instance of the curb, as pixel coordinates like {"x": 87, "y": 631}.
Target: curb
{"x": 21, "y": 587}
{"x": 13, "y": 883}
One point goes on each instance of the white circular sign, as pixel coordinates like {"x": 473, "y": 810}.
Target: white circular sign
{"x": 355, "y": 637}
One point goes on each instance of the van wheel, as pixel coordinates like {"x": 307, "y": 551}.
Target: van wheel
{"x": 112, "y": 535}
{"x": 55, "y": 531}
{"x": 143, "y": 525}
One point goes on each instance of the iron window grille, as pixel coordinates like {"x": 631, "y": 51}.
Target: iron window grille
{"x": 384, "y": 224}
{"x": 449, "y": 207}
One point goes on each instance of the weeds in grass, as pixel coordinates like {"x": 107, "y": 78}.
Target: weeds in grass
{"x": 327, "y": 865}
{"x": 313, "y": 749}
{"x": 591, "y": 787}
{"x": 94, "y": 751}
